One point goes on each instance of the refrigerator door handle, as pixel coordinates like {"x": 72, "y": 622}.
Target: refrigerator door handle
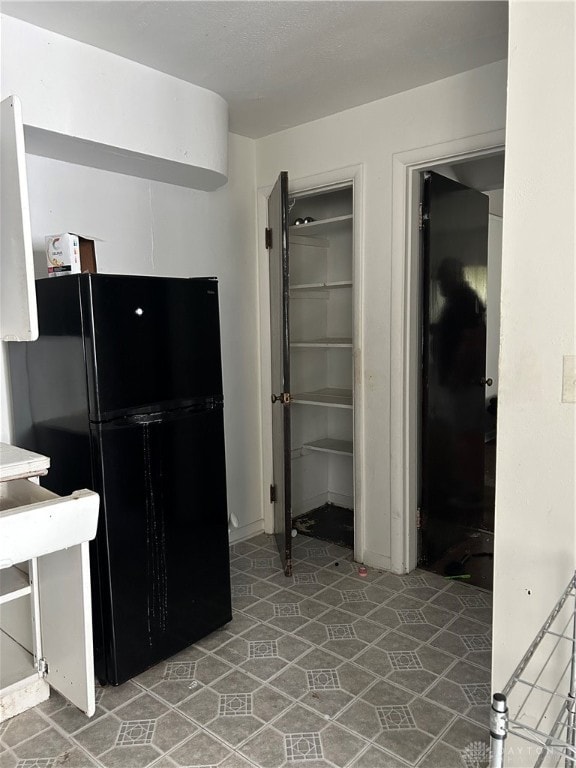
{"x": 142, "y": 419}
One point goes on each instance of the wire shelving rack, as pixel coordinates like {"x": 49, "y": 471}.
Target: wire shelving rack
{"x": 538, "y": 704}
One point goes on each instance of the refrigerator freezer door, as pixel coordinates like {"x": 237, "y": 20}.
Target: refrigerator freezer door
{"x": 162, "y": 540}
{"x": 150, "y": 341}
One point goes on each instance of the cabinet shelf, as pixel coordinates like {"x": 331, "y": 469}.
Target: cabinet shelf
{"x": 328, "y": 397}
{"x": 302, "y": 287}
{"x": 329, "y": 445}
{"x": 322, "y": 226}
{"x": 18, "y": 462}
{"x": 341, "y": 342}
{"x": 17, "y": 662}
{"x": 14, "y": 583}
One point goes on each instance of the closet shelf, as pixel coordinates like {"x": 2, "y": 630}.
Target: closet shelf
{"x": 341, "y": 342}
{"x": 321, "y": 226}
{"x": 321, "y": 286}
{"x": 329, "y": 445}
{"x": 331, "y": 397}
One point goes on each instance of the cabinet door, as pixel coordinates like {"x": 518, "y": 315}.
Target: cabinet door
{"x": 280, "y": 360}
{"x": 66, "y": 624}
{"x": 18, "y": 318}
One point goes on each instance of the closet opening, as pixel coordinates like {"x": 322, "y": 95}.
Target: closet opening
{"x": 310, "y": 240}
{"x": 321, "y": 364}
{"x": 461, "y": 231}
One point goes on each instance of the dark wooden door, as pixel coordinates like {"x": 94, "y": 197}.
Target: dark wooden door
{"x": 455, "y": 252}
{"x": 277, "y": 241}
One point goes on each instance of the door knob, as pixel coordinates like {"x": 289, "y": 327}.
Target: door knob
{"x": 486, "y": 382}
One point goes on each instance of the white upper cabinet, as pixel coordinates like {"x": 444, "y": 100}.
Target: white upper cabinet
{"x": 18, "y": 318}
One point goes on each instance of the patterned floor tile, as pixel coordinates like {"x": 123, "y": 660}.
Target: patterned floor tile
{"x": 465, "y": 673}
{"x": 243, "y": 548}
{"x": 408, "y": 743}
{"x": 292, "y": 682}
{"x": 463, "y": 734}
{"x": 264, "y": 652}
{"x": 100, "y": 736}
{"x": 235, "y": 682}
{"x": 202, "y": 707}
{"x": 325, "y": 669}
{"x": 22, "y": 727}
{"x": 235, "y": 730}
{"x": 339, "y": 746}
{"x": 376, "y": 661}
{"x": 55, "y": 702}
{"x": 449, "y": 694}
{"x": 424, "y": 622}
{"x": 299, "y": 719}
{"x": 269, "y": 703}
{"x": 113, "y": 696}
{"x": 376, "y": 758}
{"x": 45, "y": 745}
{"x": 319, "y": 659}
{"x": 266, "y": 749}
{"x": 446, "y": 757}
{"x": 71, "y": 719}
{"x": 362, "y": 718}
{"x": 327, "y": 702}
{"x": 199, "y": 751}
{"x": 136, "y": 756}
{"x": 73, "y": 757}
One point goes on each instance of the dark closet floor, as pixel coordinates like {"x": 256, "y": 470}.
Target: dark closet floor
{"x": 328, "y": 523}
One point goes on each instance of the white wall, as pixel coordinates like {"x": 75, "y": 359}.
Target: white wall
{"x": 153, "y": 228}
{"x": 535, "y": 551}
{"x": 451, "y": 109}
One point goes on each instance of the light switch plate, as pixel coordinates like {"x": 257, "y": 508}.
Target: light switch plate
{"x": 569, "y": 379}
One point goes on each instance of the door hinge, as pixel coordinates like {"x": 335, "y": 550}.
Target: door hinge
{"x": 42, "y": 667}
{"x": 268, "y": 237}
{"x": 273, "y": 494}
{"x": 422, "y": 217}
{"x": 418, "y": 519}
{"x": 284, "y": 397}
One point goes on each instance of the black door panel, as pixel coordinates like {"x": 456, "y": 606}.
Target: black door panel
{"x": 280, "y": 354}
{"x": 455, "y": 246}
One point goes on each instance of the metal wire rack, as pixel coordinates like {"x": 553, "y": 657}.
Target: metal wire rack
{"x": 538, "y": 703}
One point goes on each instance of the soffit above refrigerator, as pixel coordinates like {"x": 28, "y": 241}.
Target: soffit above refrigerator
{"x": 111, "y": 113}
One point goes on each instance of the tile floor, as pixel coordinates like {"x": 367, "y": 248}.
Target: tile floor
{"x": 325, "y": 669}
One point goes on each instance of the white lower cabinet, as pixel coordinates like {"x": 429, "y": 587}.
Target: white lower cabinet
{"x": 45, "y": 602}
{"x": 321, "y": 349}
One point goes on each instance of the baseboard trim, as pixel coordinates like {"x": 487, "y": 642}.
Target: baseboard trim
{"x": 305, "y": 506}
{"x": 244, "y": 532}
{"x": 341, "y": 500}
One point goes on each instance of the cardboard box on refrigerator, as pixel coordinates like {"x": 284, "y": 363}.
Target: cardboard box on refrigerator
{"x": 68, "y": 253}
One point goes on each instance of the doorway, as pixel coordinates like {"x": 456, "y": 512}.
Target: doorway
{"x": 459, "y": 307}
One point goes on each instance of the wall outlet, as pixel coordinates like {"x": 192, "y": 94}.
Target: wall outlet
{"x": 569, "y": 379}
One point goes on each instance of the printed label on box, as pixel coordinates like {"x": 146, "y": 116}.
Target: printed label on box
{"x": 63, "y": 254}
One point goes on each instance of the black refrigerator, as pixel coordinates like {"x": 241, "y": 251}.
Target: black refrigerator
{"x": 123, "y": 391}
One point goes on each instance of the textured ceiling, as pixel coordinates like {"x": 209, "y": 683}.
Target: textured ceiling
{"x": 279, "y": 63}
